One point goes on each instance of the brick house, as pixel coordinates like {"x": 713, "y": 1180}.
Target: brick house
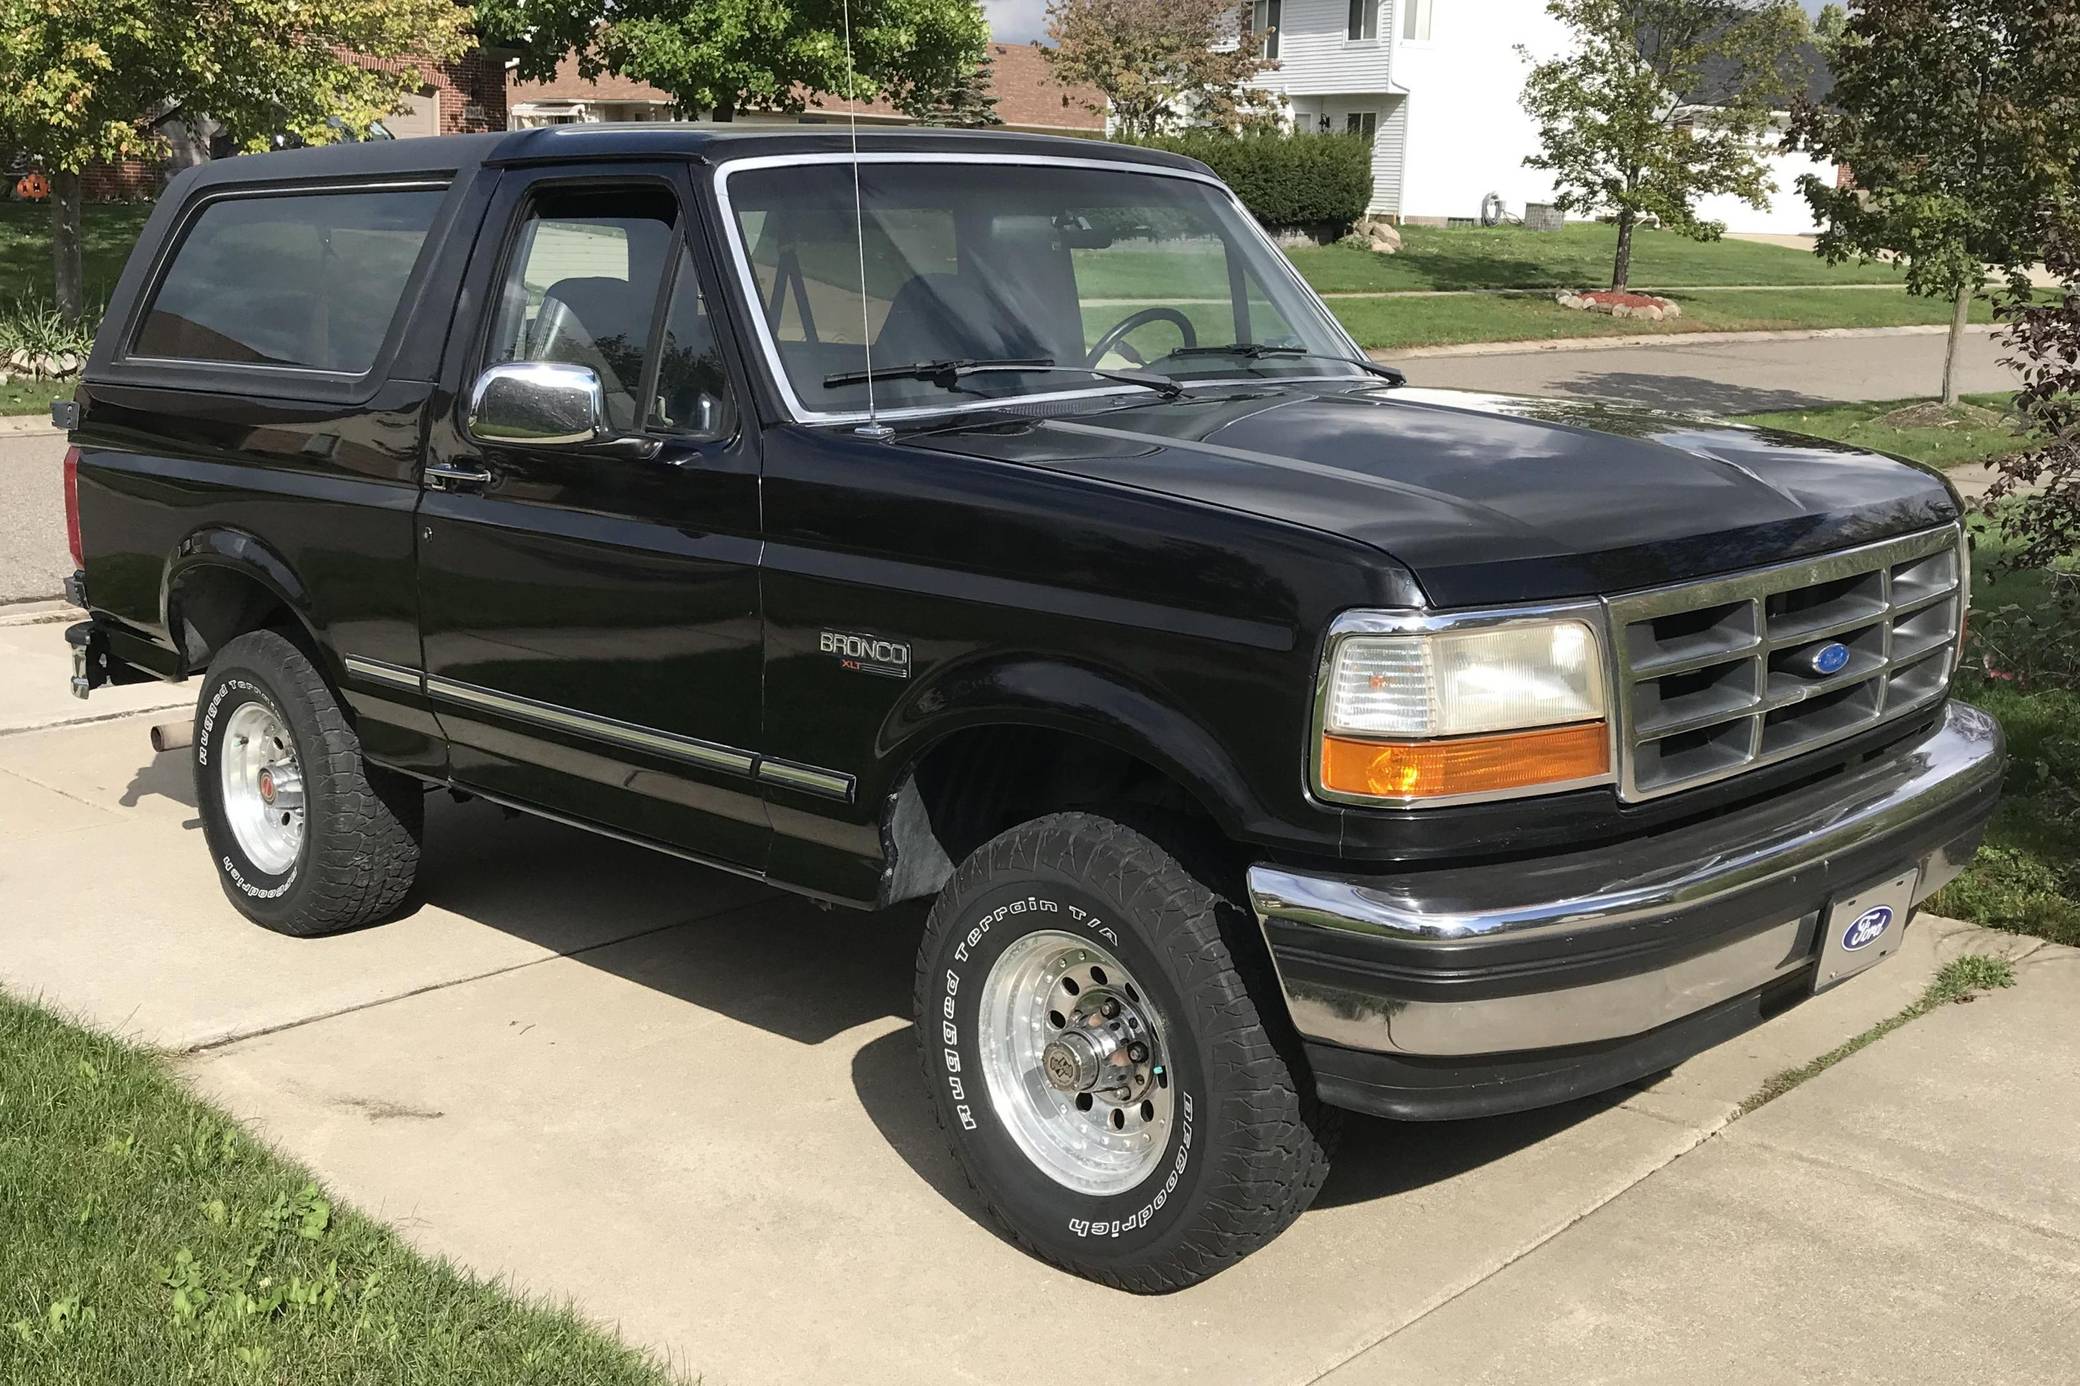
{"x": 462, "y": 97}
{"x": 1028, "y": 98}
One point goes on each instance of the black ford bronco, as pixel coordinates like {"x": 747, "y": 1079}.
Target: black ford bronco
{"x": 1001, "y": 521}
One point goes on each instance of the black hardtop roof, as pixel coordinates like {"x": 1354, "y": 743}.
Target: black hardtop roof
{"x": 447, "y": 154}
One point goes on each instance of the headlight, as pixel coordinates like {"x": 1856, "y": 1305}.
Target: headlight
{"x": 1487, "y": 707}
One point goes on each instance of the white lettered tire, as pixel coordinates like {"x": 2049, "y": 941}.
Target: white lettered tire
{"x": 1088, "y": 1020}
{"x": 308, "y": 838}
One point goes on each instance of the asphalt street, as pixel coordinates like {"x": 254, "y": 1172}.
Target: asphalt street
{"x": 1724, "y": 377}
{"x": 33, "y": 561}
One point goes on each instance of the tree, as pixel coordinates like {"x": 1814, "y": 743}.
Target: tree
{"x": 1828, "y": 27}
{"x": 1161, "y": 63}
{"x": 81, "y": 80}
{"x": 1950, "y": 119}
{"x": 724, "y": 56}
{"x": 969, "y": 104}
{"x": 1659, "y": 103}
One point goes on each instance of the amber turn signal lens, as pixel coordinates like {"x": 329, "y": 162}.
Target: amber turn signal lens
{"x": 1465, "y": 764}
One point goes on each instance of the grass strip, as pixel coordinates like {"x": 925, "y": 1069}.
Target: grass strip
{"x": 1960, "y": 979}
{"x": 146, "y": 1239}
{"x": 1407, "y": 323}
{"x": 1871, "y": 425}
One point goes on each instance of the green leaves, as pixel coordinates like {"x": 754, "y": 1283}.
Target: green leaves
{"x": 1286, "y": 180}
{"x": 733, "y": 55}
{"x": 62, "y": 1317}
{"x": 1661, "y": 102}
{"x": 82, "y": 80}
{"x": 1162, "y": 63}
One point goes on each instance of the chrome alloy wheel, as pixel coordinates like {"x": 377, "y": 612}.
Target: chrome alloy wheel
{"x": 262, "y": 787}
{"x": 1072, "y": 1050}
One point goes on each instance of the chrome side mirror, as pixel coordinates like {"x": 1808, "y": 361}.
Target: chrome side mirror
{"x": 548, "y": 404}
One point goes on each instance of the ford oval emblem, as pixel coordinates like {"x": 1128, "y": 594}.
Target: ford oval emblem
{"x": 1830, "y": 658}
{"x": 1867, "y": 928}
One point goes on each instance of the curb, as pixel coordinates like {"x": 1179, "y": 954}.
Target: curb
{"x": 37, "y": 613}
{"x": 28, "y": 426}
{"x": 1335, "y": 294}
{"x": 1662, "y": 339}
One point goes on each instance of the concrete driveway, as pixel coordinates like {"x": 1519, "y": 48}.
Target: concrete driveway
{"x": 692, "y": 1105}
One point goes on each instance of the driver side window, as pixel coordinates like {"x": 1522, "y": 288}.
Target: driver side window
{"x": 582, "y": 284}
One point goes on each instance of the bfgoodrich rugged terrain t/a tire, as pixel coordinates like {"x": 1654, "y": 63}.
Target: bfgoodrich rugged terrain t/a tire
{"x": 1091, "y": 1038}
{"x": 307, "y": 836}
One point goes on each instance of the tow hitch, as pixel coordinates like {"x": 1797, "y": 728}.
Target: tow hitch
{"x": 89, "y": 657}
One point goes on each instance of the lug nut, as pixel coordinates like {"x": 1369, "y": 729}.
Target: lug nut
{"x": 1138, "y": 1052}
{"x": 1110, "y": 1008}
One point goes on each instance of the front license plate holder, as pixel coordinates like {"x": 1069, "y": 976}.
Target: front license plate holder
{"x": 1863, "y": 928}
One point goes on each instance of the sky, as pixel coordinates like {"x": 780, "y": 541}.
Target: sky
{"x": 1021, "y": 21}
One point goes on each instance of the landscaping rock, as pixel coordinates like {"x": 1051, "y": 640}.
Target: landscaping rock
{"x": 1379, "y": 235}
{"x": 1619, "y": 303}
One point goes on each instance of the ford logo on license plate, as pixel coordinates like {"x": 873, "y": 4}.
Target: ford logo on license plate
{"x": 1867, "y": 928}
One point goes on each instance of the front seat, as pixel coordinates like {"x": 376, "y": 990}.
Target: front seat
{"x": 941, "y": 317}
{"x": 602, "y": 323}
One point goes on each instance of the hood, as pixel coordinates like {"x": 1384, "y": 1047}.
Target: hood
{"x": 1488, "y": 498}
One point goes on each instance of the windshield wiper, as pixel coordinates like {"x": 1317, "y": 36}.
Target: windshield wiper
{"x": 948, "y": 374}
{"x": 1257, "y": 351}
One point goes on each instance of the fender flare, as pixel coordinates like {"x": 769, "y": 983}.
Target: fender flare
{"x": 1103, "y": 705}
{"x": 226, "y": 547}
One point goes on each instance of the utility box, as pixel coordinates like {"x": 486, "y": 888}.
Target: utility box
{"x": 1543, "y": 216}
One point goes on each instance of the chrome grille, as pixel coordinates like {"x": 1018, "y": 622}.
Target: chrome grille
{"x": 1718, "y": 676}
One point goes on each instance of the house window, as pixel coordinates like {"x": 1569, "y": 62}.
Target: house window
{"x": 1361, "y": 123}
{"x": 1364, "y": 21}
{"x": 1266, "y": 17}
{"x": 1415, "y": 20}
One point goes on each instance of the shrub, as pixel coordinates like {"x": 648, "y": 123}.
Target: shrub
{"x": 1286, "y": 181}
{"x": 34, "y": 336}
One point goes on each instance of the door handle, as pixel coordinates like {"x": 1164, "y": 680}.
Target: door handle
{"x": 439, "y": 476}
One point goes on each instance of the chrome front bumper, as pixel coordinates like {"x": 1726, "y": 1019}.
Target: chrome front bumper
{"x": 1594, "y": 947}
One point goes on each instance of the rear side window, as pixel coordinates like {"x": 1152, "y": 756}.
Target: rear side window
{"x": 305, "y": 280}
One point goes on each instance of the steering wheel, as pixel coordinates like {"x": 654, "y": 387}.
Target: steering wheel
{"x": 1115, "y": 338}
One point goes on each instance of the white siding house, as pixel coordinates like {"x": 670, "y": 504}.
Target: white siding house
{"x": 1437, "y": 84}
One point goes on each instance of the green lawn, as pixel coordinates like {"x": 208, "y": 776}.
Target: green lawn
{"x": 1576, "y": 256}
{"x": 25, "y": 396}
{"x": 146, "y": 1240}
{"x": 1940, "y": 446}
{"x": 2027, "y": 876}
{"x": 1391, "y": 323}
{"x": 108, "y": 230}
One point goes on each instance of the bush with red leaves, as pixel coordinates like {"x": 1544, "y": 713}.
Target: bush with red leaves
{"x": 2035, "y": 502}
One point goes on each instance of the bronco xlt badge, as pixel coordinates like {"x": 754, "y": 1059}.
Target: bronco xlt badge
{"x": 869, "y": 654}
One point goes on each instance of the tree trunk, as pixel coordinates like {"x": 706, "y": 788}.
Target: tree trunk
{"x": 1957, "y": 323}
{"x": 1621, "y": 267}
{"x": 65, "y": 234}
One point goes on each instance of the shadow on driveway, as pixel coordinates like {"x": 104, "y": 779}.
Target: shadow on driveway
{"x": 1688, "y": 393}
{"x": 782, "y": 964}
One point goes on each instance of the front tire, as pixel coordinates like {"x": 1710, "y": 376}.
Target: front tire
{"x": 1100, "y": 1064}
{"x": 307, "y": 836}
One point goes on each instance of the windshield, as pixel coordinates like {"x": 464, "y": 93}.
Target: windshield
{"x": 1059, "y": 263}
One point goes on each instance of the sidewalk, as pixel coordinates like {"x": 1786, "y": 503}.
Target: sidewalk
{"x": 692, "y": 1104}
{"x": 1912, "y": 1214}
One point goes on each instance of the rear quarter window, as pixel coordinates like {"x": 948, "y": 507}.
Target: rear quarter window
{"x": 305, "y": 281}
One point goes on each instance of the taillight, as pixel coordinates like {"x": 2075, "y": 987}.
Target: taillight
{"x": 79, "y": 552}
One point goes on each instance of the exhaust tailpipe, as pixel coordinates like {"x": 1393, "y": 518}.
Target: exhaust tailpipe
{"x": 172, "y": 736}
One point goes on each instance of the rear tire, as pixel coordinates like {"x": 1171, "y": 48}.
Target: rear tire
{"x": 1060, "y": 952}
{"x": 307, "y": 836}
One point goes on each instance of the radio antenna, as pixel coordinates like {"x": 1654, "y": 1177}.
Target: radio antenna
{"x": 873, "y": 427}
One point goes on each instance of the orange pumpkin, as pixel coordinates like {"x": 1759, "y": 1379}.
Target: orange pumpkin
{"x": 33, "y": 186}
